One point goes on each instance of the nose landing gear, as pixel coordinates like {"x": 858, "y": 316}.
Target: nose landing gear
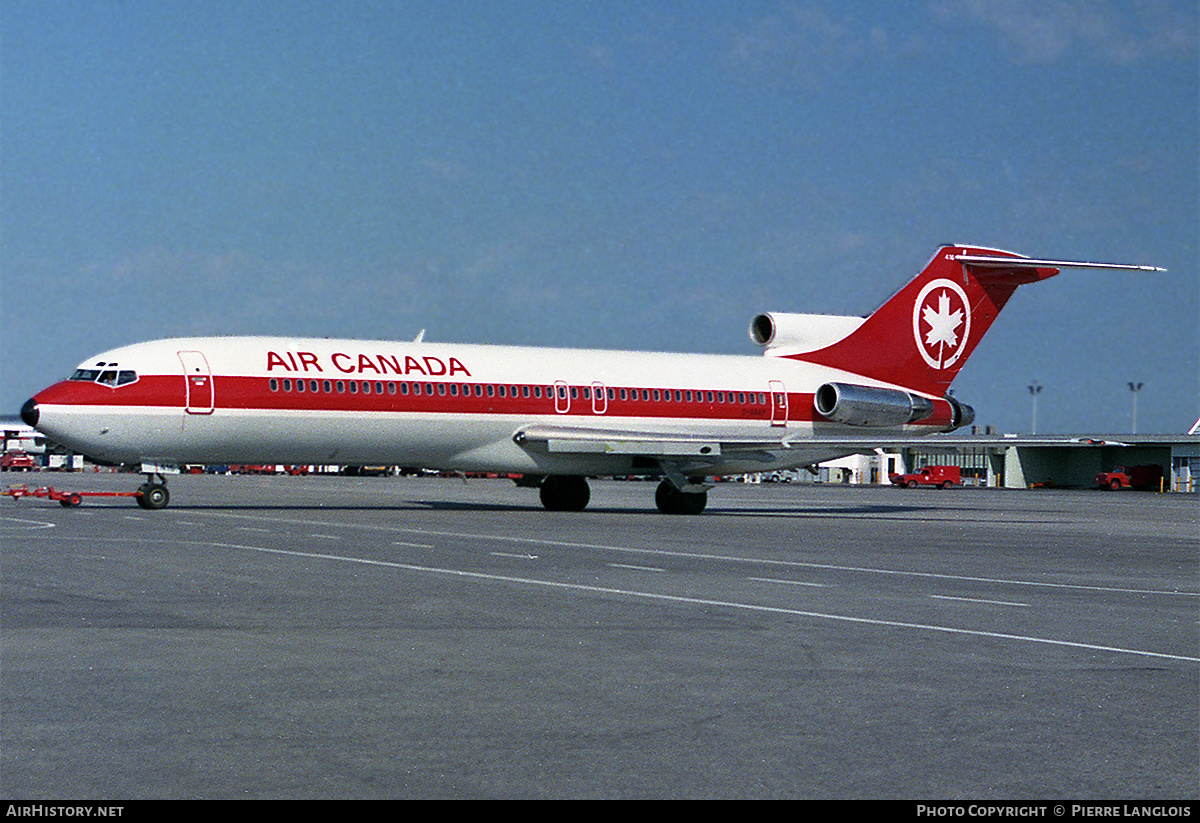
{"x": 153, "y": 493}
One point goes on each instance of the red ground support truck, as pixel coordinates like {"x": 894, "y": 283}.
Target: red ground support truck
{"x": 1142, "y": 478}
{"x": 941, "y": 476}
{"x": 17, "y": 461}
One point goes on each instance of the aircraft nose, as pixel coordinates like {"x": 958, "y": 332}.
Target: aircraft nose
{"x": 30, "y": 413}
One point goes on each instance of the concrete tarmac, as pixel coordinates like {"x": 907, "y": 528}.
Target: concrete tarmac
{"x": 327, "y": 637}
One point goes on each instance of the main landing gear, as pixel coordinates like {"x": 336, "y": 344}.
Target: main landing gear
{"x": 671, "y": 500}
{"x": 153, "y": 493}
{"x": 565, "y": 493}
{"x": 570, "y": 493}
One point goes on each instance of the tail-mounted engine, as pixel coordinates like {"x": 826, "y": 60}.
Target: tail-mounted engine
{"x": 868, "y": 406}
{"x": 960, "y": 413}
{"x": 872, "y": 407}
{"x": 783, "y": 333}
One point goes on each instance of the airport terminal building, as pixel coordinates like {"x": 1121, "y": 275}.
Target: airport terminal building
{"x": 1020, "y": 462}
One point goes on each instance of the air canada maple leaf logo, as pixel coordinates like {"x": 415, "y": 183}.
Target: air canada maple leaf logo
{"x": 941, "y": 323}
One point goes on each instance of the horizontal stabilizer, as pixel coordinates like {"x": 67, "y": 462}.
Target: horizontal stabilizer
{"x": 987, "y": 261}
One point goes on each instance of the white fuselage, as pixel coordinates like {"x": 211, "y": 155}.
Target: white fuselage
{"x": 444, "y": 406}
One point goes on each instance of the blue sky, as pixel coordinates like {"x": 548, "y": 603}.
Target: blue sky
{"x": 636, "y": 175}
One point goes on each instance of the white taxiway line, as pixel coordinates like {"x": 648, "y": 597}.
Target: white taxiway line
{"x": 29, "y": 524}
{"x": 977, "y": 600}
{"x": 696, "y": 601}
{"x": 734, "y": 558}
{"x": 788, "y": 582}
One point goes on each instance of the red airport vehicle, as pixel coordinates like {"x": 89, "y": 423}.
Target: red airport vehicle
{"x": 941, "y": 476}
{"x": 146, "y": 501}
{"x": 1142, "y": 478}
{"x": 17, "y": 461}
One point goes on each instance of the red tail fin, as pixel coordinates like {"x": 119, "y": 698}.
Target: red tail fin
{"x": 923, "y": 335}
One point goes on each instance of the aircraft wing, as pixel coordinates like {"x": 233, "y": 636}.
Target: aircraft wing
{"x": 565, "y": 439}
{"x": 569, "y": 440}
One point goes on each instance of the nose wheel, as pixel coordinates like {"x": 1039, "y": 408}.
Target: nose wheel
{"x": 153, "y": 493}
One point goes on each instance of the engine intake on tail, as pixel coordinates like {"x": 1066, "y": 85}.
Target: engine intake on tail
{"x": 872, "y": 407}
{"x": 784, "y": 333}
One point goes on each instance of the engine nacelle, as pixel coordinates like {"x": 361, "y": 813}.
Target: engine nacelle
{"x": 792, "y": 333}
{"x": 960, "y": 413}
{"x": 867, "y": 406}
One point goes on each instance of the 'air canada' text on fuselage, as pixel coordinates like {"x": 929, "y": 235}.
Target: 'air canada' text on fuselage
{"x": 305, "y": 361}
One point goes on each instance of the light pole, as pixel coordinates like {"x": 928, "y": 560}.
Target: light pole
{"x": 1034, "y": 391}
{"x": 1134, "y": 388}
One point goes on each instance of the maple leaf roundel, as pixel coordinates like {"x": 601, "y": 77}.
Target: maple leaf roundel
{"x": 941, "y": 323}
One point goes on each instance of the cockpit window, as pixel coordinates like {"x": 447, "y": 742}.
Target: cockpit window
{"x": 105, "y": 377}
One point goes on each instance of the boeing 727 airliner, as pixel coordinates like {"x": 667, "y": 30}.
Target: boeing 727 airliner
{"x": 826, "y": 386}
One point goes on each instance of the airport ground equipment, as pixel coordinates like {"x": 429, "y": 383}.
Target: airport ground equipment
{"x": 69, "y": 498}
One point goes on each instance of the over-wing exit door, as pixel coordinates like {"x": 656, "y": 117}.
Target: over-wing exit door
{"x": 198, "y": 377}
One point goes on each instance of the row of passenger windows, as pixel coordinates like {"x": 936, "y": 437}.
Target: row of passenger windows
{"x": 520, "y": 391}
